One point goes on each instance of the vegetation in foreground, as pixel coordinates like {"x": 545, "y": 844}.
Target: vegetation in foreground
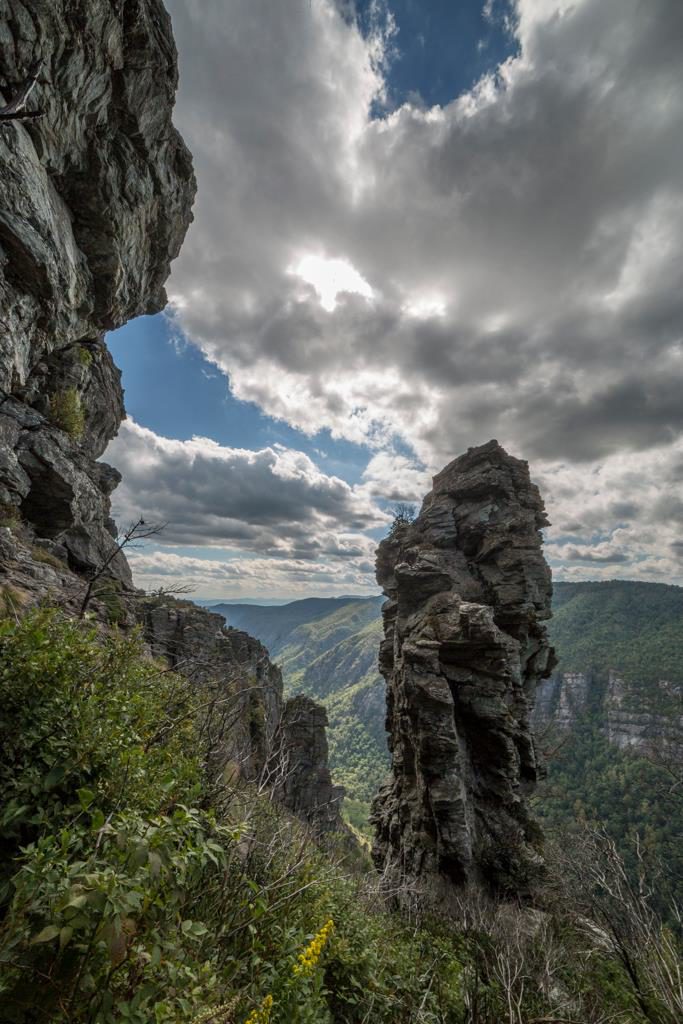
{"x": 136, "y": 886}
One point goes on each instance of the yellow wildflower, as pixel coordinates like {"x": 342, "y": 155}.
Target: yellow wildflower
{"x": 261, "y": 1015}
{"x": 308, "y": 959}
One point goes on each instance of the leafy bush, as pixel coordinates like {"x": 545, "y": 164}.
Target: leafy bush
{"x": 123, "y": 894}
{"x": 134, "y": 888}
{"x": 66, "y": 412}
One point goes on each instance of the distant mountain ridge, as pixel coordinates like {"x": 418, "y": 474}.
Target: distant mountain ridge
{"x": 274, "y": 624}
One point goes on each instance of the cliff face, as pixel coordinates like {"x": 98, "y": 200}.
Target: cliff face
{"x": 95, "y": 203}
{"x": 463, "y": 651}
{"x": 299, "y": 768}
{"x": 254, "y": 734}
{"x": 561, "y": 699}
{"x": 246, "y": 686}
{"x": 639, "y": 719}
{"x": 96, "y": 199}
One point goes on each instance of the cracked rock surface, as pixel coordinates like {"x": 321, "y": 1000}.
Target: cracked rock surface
{"x": 464, "y": 648}
{"x": 96, "y": 198}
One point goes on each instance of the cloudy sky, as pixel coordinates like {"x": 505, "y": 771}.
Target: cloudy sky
{"x": 420, "y": 224}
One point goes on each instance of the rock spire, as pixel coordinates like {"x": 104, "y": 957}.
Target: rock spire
{"x": 464, "y": 648}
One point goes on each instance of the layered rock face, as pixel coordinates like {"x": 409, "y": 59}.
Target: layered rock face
{"x": 95, "y": 203}
{"x": 562, "y": 699}
{"x": 464, "y": 648}
{"x": 299, "y": 768}
{"x": 246, "y": 685}
{"x": 254, "y": 734}
{"x": 640, "y": 721}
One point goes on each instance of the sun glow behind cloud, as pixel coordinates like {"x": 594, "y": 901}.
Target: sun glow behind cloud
{"x": 330, "y": 277}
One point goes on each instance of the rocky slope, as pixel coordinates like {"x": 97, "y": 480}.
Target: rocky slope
{"x": 96, "y": 200}
{"x": 465, "y": 646}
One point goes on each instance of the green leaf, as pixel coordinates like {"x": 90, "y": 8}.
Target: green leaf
{"x": 51, "y": 931}
{"x": 53, "y": 778}
{"x": 97, "y": 820}
{"x": 79, "y": 901}
{"x": 155, "y": 863}
{"x": 65, "y": 936}
{"x": 85, "y": 797}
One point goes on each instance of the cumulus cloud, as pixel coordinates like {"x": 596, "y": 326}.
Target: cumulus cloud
{"x": 541, "y": 214}
{"x": 275, "y": 501}
{"x": 513, "y": 262}
{"x": 395, "y": 477}
{"x": 621, "y": 516}
{"x": 237, "y": 577}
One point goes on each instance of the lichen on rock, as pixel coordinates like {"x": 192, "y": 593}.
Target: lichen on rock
{"x": 464, "y": 648}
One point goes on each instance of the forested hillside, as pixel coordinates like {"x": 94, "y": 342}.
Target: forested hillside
{"x": 615, "y": 739}
{"x": 635, "y": 628}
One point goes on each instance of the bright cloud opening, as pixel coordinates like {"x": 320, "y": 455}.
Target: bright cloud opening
{"x": 330, "y": 278}
{"x": 423, "y": 307}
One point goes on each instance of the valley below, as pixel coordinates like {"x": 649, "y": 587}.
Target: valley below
{"x": 609, "y": 720}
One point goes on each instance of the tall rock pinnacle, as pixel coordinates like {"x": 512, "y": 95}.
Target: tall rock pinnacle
{"x": 464, "y": 648}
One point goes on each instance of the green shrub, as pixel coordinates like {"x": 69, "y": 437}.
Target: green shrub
{"x": 134, "y": 888}
{"x": 109, "y": 593}
{"x": 124, "y": 895}
{"x": 66, "y": 412}
{"x": 84, "y": 355}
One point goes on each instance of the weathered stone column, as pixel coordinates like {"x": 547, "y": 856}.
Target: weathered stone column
{"x": 464, "y": 648}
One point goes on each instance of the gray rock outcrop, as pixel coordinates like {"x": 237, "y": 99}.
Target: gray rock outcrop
{"x": 299, "y": 768}
{"x": 254, "y": 734}
{"x": 96, "y": 199}
{"x": 246, "y": 686}
{"x": 464, "y": 648}
{"x": 562, "y": 699}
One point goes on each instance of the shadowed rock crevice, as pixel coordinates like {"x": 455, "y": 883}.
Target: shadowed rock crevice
{"x": 464, "y": 648}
